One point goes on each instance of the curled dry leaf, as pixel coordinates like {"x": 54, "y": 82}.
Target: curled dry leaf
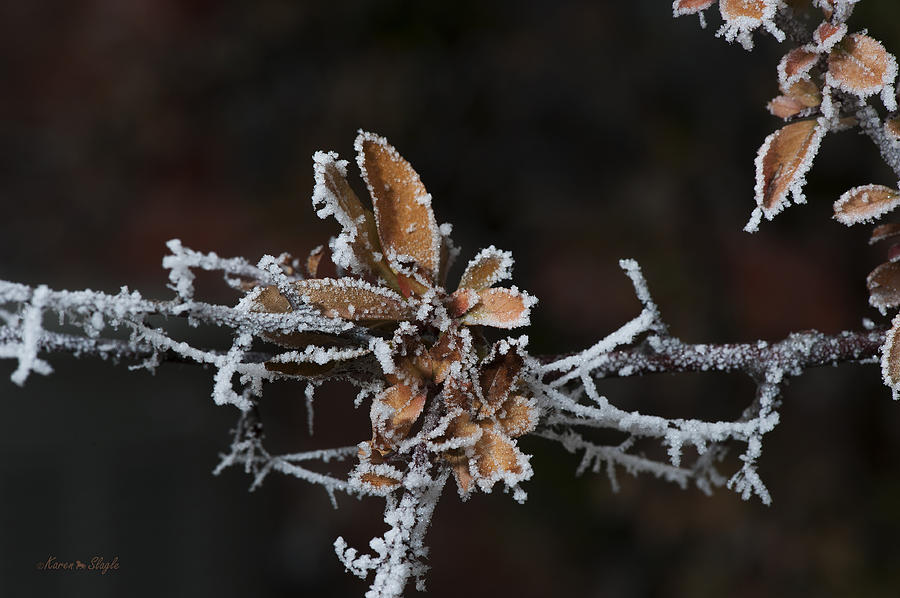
{"x": 890, "y": 358}
{"x": 781, "y": 166}
{"x": 486, "y": 269}
{"x": 884, "y": 286}
{"x": 885, "y": 231}
{"x": 313, "y": 260}
{"x": 501, "y": 308}
{"x": 860, "y": 65}
{"x": 796, "y": 65}
{"x": 689, "y": 7}
{"x": 403, "y": 215}
{"x": 357, "y": 247}
{"x": 866, "y": 203}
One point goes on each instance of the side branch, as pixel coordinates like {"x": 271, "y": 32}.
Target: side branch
{"x": 797, "y": 352}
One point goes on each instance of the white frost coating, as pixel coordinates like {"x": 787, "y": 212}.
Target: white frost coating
{"x": 738, "y": 27}
{"x": 399, "y": 554}
{"x": 795, "y": 188}
{"x": 328, "y": 204}
{"x": 27, "y": 351}
{"x": 874, "y": 211}
{"x": 391, "y": 255}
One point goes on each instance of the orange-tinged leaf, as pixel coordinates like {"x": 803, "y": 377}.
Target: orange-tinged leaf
{"x": 496, "y": 455}
{"x": 689, "y": 7}
{"x": 884, "y": 286}
{"x": 866, "y": 203}
{"x": 860, "y": 65}
{"x": 885, "y": 231}
{"x": 743, "y": 16}
{"x": 781, "y": 166}
{"x": 785, "y": 107}
{"x": 517, "y": 416}
{"x": 353, "y": 299}
{"x": 403, "y": 215}
{"x": 747, "y": 9}
{"x": 486, "y": 269}
{"x": 827, "y": 35}
{"x": 462, "y": 301}
{"x": 801, "y": 95}
{"x": 890, "y": 358}
{"x": 795, "y": 65}
{"x": 501, "y": 308}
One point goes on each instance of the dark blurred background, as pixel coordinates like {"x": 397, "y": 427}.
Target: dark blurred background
{"x": 572, "y": 133}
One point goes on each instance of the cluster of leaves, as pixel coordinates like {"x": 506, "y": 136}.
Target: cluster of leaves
{"x": 434, "y": 356}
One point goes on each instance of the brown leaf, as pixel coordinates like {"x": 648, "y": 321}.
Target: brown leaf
{"x": 517, "y": 416}
{"x": 357, "y": 248}
{"x": 462, "y": 301}
{"x": 828, "y": 34}
{"x": 782, "y": 164}
{"x": 486, "y": 269}
{"x": 885, "y": 231}
{"x": 785, "y": 107}
{"x": 805, "y": 92}
{"x": 353, "y": 299}
{"x": 403, "y": 215}
{"x": 459, "y": 464}
{"x": 393, "y": 413}
{"x": 689, "y": 7}
{"x": 747, "y": 9}
{"x": 499, "y": 376}
{"x": 795, "y": 65}
{"x": 890, "y": 358}
{"x": 381, "y": 481}
{"x": 860, "y": 65}
{"x": 801, "y": 95}
{"x": 312, "y": 261}
{"x": 884, "y": 286}
{"x": 501, "y": 308}
{"x": 866, "y": 203}
{"x": 495, "y": 454}
{"x": 447, "y": 351}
